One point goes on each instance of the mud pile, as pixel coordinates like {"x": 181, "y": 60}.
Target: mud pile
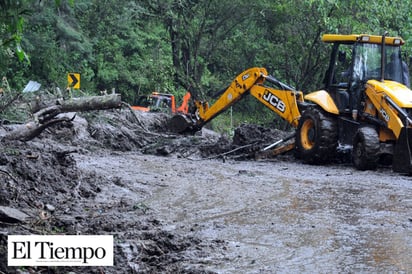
{"x": 45, "y": 192}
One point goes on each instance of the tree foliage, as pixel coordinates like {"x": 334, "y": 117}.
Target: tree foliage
{"x": 168, "y": 45}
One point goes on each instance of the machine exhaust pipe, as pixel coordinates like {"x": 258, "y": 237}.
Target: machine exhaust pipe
{"x": 383, "y": 58}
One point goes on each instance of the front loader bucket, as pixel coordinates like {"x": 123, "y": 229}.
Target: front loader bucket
{"x": 402, "y": 158}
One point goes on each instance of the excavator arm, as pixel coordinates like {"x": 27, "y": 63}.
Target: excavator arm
{"x": 283, "y": 100}
{"x": 237, "y": 89}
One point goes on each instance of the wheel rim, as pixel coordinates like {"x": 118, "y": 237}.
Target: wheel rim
{"x": 307, "y": 134}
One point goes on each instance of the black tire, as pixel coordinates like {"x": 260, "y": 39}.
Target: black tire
{"x": 365, "y": 149}
{"x": 316, "y": 136}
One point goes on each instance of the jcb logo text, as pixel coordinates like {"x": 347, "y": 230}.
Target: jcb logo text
{"x": 274, "y": 101}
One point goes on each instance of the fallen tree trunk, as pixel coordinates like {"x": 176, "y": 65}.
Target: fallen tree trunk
{"x": 47, "y": 115}
{"x": 90, "y": 103}
{"x": 79, "y": 104}
{"x": 31, "y": 130}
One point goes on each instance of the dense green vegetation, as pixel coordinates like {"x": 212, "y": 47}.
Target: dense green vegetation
{"x": 168, "y": 45}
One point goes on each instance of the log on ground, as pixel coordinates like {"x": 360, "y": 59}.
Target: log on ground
{"x": 46, "y": 116}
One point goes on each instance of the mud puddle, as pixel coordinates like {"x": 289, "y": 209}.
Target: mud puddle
{"x": 274, "y": 217}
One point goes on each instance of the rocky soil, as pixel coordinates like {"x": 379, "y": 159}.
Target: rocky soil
{"x": 183, "y": 204}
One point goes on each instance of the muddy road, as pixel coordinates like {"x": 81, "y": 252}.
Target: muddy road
{"x": 173, "y": 209}
{"x": 277, "y": 216}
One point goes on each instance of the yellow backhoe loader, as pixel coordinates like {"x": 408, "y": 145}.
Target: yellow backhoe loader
{"x": 365, "y": 104}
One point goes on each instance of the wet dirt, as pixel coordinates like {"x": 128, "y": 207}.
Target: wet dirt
{"x": 279, "y": 216}
{"x": 174, "y": 209}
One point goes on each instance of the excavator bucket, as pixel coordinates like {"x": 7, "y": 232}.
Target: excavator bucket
{"x": 181, "y": 123}
{"x": 402, "y": 159}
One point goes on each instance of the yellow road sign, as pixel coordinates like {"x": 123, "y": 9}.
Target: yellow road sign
{"x": 73, "y": 80}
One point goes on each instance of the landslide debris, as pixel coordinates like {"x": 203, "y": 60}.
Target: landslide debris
{"x": 41, "y": 179}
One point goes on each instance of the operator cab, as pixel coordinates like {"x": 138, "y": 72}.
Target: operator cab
{"x": 155, "y": 102}
{"x": 357, "y": 59}
{"x": 144, "y": 101}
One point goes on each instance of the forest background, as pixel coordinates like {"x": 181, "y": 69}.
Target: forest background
{"x": 137, "y": 47}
